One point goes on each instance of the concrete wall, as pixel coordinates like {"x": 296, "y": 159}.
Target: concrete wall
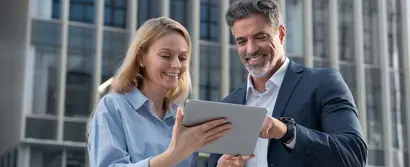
{"x": 13, "y": 47}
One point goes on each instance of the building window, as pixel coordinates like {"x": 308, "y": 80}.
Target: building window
{"x": 37, "y": 128}
{"x": 209, "y": 20}
{"x": 45, "y": 157}
{"x": 80, "y": 64}
{"x": 320, "y": 28}
{"x": 115, "y": 47}
{"x": 115, "y": 13}
{"x": 76, "y": 158}
{"x": 374, "y": 116}
{"x": 45, "y": 46}
{"x": 80, "y": 10}
{"x": 238, "y": 73}
{"x": 370, "y": 32}
{"x": 294, "y": 28}
{"x": 147, "y": 9}
{"x": 179, "y": 11}
{"x": 210, "y": 72}
{"x": 346, "y": 36}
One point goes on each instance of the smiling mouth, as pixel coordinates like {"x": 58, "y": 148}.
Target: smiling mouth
{"x": 255, "y": 60}
{"x": 171, "y": 74}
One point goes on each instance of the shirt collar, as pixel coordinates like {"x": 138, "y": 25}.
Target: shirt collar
{"x": 137, "y": 100}
{"x": 276, "y": 78}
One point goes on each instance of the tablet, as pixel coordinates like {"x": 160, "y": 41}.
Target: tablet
{"x": 246, "y": 121}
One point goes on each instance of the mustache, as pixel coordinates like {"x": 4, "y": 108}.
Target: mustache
{"x": 255, "y": 54}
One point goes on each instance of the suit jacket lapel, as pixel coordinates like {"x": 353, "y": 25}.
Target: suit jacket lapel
{"x": 291, "y": 79}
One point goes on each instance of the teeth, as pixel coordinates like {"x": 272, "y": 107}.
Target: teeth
{"x": 172, "y": 74}
{"x": 256, "y": 58}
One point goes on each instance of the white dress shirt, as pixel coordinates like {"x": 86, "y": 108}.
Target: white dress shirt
{"x": 265, "y": 99}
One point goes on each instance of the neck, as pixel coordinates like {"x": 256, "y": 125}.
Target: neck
{"x": 260, "y": 82}
{"x": 157, "y": 97}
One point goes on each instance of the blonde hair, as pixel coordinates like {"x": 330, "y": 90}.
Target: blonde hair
{"x": 130, "y": 75}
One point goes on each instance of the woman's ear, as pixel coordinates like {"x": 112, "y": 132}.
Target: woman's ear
{"x": 142, "y": 62}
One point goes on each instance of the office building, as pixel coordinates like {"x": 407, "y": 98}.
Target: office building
{"x": 55, "y": 53}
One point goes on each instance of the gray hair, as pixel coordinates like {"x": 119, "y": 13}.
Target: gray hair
{"x": 244, "y": 8}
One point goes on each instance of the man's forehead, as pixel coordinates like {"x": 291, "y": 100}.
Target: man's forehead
{"x": 248, "y": 27}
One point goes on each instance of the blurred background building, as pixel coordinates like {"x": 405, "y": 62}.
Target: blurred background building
{"x": 54, "y": 54}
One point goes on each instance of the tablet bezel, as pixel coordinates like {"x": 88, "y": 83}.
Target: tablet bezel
{"x": 246, "y": 122}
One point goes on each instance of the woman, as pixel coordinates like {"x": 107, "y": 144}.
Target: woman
{"x": 139, "y": 124}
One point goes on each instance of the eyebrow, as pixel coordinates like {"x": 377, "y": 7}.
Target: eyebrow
{"x": 257, "y": 34}
{"x": 169, "y": 50}
{"x": 260, "y": 33}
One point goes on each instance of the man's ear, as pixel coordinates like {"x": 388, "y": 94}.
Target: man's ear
{"x": 282, "y": 34}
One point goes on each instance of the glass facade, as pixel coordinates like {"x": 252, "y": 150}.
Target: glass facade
{"x": 80, "y": 64}
{"x": 210, "y": 72}
{"x": 209, "y": 20}
{"x": 294, "y": 30}
{"x": 321, "y": 33}
{"x": 46, "y": 44}
{"x": 115, "y": 13}
{"x": 46, "y": 48}
{"x": 180, "y": 11}
{"x": 147, "y": 9}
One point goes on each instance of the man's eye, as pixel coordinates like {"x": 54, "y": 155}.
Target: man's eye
{"x": 262, "y": 37}
{"x": 240, "y": 42}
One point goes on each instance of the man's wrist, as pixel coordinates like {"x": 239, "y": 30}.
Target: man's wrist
{"x": 290, "y": 130}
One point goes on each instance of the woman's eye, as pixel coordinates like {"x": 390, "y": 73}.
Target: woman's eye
{"x": 165, "y": 55}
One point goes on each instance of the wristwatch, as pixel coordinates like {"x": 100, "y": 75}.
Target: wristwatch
{"x": 291, "y": 130}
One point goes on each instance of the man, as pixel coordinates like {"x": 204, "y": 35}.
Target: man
{"x": 313, "y": 120}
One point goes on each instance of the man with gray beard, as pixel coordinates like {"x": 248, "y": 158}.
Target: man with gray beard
{"x": 313, "y": 118}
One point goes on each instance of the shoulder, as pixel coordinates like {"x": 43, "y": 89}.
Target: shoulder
{"x": 111, "y": 108}
{"x": 320, "y": 72}
{"x": 110, "y": 100}
{"x": 107, "y": 108}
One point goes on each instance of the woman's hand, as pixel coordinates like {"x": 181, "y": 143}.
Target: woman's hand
{"x": 186, "y": 140}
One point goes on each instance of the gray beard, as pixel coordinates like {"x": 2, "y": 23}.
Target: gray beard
{"x": 257, "y": 71}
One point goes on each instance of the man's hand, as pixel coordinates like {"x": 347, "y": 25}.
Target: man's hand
{"x": 233, "y": 161}
{"x": 273, "y": 128}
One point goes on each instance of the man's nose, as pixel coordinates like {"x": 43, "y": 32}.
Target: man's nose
{"x": 251, "y": 47}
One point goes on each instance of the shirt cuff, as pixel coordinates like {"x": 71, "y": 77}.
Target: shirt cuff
{"x": 292, "y": 144}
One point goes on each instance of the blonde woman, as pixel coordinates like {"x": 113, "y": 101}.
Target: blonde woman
{"x": 138, "y": 124}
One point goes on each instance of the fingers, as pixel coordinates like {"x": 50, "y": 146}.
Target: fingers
{"x": 227, "y": 156}
{"x": 213, "y": 137}
{"x": 245, "y": 158}
{"x": 234, "y": 161}
{"x": 227, "y": 161}
{"x": 239, "y": 158}
{"x": 218, "y": 129}
{"x": 212, "y": 124}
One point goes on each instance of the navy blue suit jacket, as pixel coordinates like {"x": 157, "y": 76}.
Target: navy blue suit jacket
{"x": 328, "y": 130}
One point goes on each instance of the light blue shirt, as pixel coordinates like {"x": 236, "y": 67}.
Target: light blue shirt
{"x": 124, "y": 132}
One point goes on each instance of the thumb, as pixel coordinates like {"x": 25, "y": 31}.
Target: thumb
{"x": 179, "y": 116}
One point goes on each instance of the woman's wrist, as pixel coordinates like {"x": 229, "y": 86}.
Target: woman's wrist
{"x": 164, "y": 160}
